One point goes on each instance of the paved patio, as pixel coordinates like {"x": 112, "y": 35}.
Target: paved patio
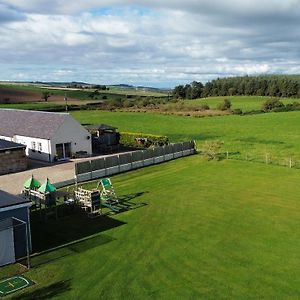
{"x": 13, "y": 183}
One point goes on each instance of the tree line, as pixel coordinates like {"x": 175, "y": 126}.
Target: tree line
{"x": 273, "y": 86}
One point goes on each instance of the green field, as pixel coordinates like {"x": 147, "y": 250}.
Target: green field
{"x": 245, "y": 103}
{"x": 31, "y": 105}
{"x": 138, "y": 92}
{"x": 206, "y": 230}
{"x": 255, "y": 135}
{"x": 196, "y": 229}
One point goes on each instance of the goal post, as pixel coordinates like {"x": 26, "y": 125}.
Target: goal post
{"x": 14, "y": 241}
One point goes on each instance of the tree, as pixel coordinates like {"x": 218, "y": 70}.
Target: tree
{"x": 197, "y": 88}
{"x": 232, "y": 91}
{"x": 274, "y": 86}
{"x": 188, "y": 91}
{"x": 45, "y": 96}
{"x": 179, "y": 92}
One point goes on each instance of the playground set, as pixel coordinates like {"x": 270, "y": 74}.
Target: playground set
{"x": 94, "y": 201}
{"x": 42, "y": 196}
{"x": 45, "y": 197}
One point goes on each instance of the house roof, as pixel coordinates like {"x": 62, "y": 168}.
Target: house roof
{"x": 30, "y": 123}
{"x": 7, "y": 199}
{"x": 7, "y": 145}
{"x": 102, "y": 127}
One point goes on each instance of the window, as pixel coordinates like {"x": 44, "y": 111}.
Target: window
{"x": 40, "y": 147}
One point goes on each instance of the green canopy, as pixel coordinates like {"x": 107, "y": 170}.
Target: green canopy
{"x": 47, "y": 187}
{"x": 32, "y": 183}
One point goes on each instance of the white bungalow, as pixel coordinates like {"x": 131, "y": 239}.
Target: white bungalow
{"x": 48, "y": 136}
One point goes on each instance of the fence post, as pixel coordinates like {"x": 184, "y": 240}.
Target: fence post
{"x": 291, "y": 163}
{"x": 227, "y": 154}
{"x": 143, "y": 158}
{"x": 105, "y": 169}
{"x": 91, "y": 170}
{"x": 266, "y": 158}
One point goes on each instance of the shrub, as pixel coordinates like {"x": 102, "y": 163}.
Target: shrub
{"x": 237, "y": 111}
{"x": 211, "y": 149}
{"x": 271, "y": 104}
{"x": 113, "y": 104}
{"x": 225, "y": 105}
{"x": 204, "y": 107}
{"x": 128, "y": 103}
{"x": 141, "y": 140}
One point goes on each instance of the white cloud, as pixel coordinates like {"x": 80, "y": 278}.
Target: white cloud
{"x": 160, "y": 42}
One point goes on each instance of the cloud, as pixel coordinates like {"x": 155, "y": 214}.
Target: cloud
{"x": 9, "y": 14}
{"x": 154, "y": 42}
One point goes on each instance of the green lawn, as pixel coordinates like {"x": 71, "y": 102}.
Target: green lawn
{"x": 245, "y": 103}
{"x": 196, "y": 230}
{"x": 253, "y": 135}
{"x": 206, "y": 230}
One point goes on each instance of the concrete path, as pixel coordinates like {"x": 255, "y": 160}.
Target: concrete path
{"x": 13, "y": 183}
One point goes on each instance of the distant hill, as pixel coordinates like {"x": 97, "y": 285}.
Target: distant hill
{"x": 80, "y": 84}
{"x": 139, "y": 88}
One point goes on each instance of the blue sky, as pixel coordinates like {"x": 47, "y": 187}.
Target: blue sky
{"x": 154, "y": 43}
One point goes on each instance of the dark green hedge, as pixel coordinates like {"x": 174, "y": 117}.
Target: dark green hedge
{"x": 142, "y": 140}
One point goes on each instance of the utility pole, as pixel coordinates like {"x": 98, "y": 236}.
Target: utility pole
{"x": 66, "y": 101}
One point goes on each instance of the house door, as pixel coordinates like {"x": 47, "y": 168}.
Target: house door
{"x": 63, "y": 150}
{"x": 7, "y": 248}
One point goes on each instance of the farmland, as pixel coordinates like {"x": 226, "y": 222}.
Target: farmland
{"x": 129, "y": 100}
{"x": 21, "y": 93}
{"x": 197, "y": 228}
{"x": 245, "y": 103}
{"x": 274, "y": 133}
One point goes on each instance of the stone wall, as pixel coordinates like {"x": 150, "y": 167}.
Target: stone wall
{"x": 12, "y": 161}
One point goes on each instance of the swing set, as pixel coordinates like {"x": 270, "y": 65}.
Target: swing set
{"x": 93, "y": 201}
{"x": 108, "y": 195}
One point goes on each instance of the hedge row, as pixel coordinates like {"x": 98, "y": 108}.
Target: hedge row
{"x": 142, "y": 140}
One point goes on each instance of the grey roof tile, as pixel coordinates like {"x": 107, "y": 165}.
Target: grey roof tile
{"x": 7, "y": 145}
{"x": 7, "y": 199}
{"x": 30, "y": 123}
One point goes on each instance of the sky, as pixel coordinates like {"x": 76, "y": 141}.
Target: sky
{"x": 152, "y": 43}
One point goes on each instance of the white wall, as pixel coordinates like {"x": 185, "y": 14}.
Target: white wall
{"x": 72, "y": 132}
{"x": 7, "y": 138}
{"x": 41, "y": 154}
